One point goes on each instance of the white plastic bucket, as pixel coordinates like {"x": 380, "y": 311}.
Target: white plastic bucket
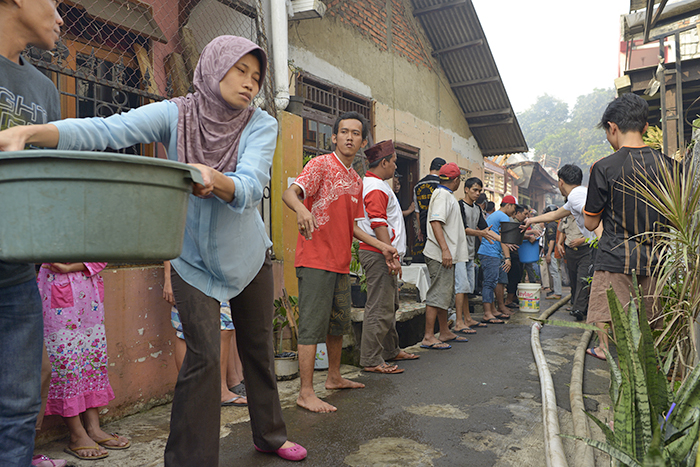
{"x": 321, "y": 362}
{"x": 529, "y": 297}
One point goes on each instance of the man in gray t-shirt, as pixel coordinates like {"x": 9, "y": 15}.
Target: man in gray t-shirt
{"x": 26, "y": 97}
{"x": 476, "y": 229}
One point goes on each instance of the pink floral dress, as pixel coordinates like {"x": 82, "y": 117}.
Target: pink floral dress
{"x": 74, "y": 334}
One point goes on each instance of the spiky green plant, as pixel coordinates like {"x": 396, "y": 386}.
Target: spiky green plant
{"x": 652, "y": 426}
{"x": 673, "y": 194}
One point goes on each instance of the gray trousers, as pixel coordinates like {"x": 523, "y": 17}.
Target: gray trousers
{"x": 579, "y": 261}
{"x": 380, "y": 341}
{"x": 196, "y": 412}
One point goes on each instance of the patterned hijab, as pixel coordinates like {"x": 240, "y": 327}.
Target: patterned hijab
{"x": 209, "y": 128}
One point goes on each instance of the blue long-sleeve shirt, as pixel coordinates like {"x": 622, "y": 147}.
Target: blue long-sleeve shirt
{"x": 225, "y": 243}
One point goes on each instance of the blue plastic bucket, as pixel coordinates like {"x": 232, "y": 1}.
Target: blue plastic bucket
{"x": 529, "y": 252}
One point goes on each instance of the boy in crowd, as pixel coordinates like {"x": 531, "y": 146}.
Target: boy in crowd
{"x": 550, "y": 267}
{"x": 516, "y": 267}
{"x": 384, "y": 221}
{"x": 570, "y": 177}
{"x": 446, "y": 246}
{"x": 495, "y": 259}
{"x": 29, "y": 98}
{"x": 327, "y": 198}
{"x": 475, "y": 228}
{"x": 623, "y": 249}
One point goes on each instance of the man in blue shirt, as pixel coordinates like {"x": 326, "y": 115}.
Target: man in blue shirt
{"x": 495, "y": 263}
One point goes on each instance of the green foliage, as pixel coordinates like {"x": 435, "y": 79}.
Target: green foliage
{"x": 286, "y": 314}
{"x": 674, "y": 195}
{"x": 356, "y": 267}
{"x": 551, "y": 129}
{"x": 652, "y": 426}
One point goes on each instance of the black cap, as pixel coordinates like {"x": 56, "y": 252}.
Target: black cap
{"x": 437, "y": 163}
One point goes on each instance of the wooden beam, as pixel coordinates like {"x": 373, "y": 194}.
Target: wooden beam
{"x": 463, "y": 45}
{"x": 647, "y": 19}
{"x": 488, "y": 113}
{"x": 475, "y": 82}
{"x": 657, "y": 15}
{"x": 439, "y": 7}
{"x": 505, "y": 121}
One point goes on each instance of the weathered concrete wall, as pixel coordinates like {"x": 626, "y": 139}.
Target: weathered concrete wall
{"x": 415, "y": 104}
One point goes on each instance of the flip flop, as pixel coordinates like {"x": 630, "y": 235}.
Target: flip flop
{"x": 384, "y": 369}
{"x": 465, "y": 331}
{"x": 457, "y": 339}
{"x": 434, "y": 346}
{"x": 238, "y": 389}
{"x": 232, "y": 402}
{"x": 479, "y": 325}
{"x": 74, "y": 452}
{"x": 593, "y": 353}
{"x": 503, "y": 316}
{"x": 398, "y": 359}
{"x": 113, "y": 436}
{"x": 492, "y": 321}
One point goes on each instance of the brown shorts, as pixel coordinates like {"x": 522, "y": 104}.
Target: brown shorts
{"x": 324, "y": 305}
{"x": 598, "y": 310}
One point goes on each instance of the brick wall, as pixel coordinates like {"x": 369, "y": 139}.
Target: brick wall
{"x": 372, "y": 17}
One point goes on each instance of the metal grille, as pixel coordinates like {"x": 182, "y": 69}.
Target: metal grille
{"x": 325, "y": 97}
{"x": 115, "y": 55}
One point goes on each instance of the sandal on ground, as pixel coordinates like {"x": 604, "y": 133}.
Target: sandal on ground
{"x": 457, "y": 339}
{"x": 436, "y": 346}
{"x": 43, "y": 461}
{"x": 384, "y": 369}
{"x": 238, "y": 389}
{"x": 74, "y": 452}
{"x": 502, "y": 316}
{"x": 113, "y": 437}
{"x": 406, "y": 356}
{"x": 232, "y": 402}
{"x": 492, "y": 321}
{"x": 295, "y": 453}
{"x": 466, "y": 330}
{"x": 593, "y": 353}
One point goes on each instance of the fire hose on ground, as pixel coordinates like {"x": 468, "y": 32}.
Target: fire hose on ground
{"x": 554, "y": 447}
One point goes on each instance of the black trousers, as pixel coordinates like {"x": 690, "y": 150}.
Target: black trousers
{"x": 196, "y": 413}
{"x": 578, "y": 263}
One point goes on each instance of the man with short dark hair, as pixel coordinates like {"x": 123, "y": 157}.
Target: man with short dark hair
{"x": 570, "y": 177}
{"x": 475, "y": 228}
{"x": 28, "y": 98}
{"x": 421, "y": 199}
{"x": 623, "y": 249}
{"x": 384, "y": 221}
{"x": 327, "y": 218}
{"x": 446, "y": 246}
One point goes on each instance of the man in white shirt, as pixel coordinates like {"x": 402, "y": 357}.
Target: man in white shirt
{"x": 446, "y": 245}
{"x": 570, "y": 177}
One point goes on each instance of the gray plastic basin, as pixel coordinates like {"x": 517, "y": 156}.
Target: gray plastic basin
{"x": 71, "y": 206}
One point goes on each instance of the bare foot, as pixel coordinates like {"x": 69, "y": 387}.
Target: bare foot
{"x": 342, "y": 383}
{"x": 447, "y": 336}
{"x": 314, "y": 404}
{"x": 227, "y": 395}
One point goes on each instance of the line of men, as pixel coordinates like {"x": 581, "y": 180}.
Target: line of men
{"x": 333, "y": 206}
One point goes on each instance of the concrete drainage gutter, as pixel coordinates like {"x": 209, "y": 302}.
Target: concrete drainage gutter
{"x": 554, "y": 448}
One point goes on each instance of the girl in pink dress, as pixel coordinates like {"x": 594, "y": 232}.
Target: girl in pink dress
{"x": 74, "y": 332}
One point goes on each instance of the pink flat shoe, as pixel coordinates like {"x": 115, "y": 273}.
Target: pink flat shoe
{"x": 295, "y": 453}
{"x": 43, "y": 461}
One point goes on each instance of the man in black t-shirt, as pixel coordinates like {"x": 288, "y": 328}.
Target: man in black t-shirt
{"x": 26, "y": 97}
{"x": 422, "y": 193}
{"x": 622, "y": 251}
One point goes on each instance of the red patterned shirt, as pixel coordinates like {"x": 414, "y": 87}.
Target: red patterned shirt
{"x": 333, "y": 194}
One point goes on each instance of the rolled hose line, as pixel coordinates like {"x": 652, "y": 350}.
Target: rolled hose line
{"x": 554, "y": 448}
{"x": 583, "y": 452}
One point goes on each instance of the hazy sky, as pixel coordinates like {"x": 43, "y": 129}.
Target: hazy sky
{"x": 559, "y": 47}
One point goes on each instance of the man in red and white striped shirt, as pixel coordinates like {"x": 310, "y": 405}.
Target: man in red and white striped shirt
{"x": 384, "y": 221}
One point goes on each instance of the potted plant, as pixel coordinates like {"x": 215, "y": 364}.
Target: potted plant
{"x": 358, "y": 290}
{"x": 286, "y": 315}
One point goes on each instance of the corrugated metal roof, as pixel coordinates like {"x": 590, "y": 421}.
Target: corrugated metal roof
{"x": 459, "y": 43}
